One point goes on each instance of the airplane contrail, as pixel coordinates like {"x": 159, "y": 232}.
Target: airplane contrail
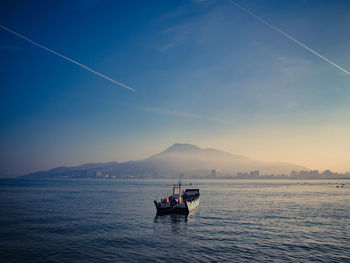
{"x": 67, "y": 58}
{"x": 290, "y": 37}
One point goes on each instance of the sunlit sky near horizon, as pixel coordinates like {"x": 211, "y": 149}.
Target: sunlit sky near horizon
{"x": 204, "y": 72}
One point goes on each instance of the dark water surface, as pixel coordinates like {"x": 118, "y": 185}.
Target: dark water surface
{"x": 115, "y": 221}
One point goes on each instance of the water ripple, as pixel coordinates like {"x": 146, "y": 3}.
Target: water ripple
{"x": 115, "y": 221}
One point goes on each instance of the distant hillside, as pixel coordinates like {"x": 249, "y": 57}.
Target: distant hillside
{"x": 189, "y": 160}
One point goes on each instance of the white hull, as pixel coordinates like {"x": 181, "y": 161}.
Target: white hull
{"x": 192, "y": 205}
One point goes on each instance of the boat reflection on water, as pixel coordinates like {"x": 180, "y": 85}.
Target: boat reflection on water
{"x": 171, "y": 218}
{"x": 175, "y": 223}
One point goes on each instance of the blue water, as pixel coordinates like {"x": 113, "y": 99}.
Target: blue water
{"x": 115, "y": 221}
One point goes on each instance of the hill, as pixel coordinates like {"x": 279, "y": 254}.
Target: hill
{"x": 186, "y": 159}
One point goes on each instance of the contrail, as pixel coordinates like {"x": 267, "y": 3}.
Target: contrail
{"x": 290, "y": 37}
{"x": 67, "y": 58}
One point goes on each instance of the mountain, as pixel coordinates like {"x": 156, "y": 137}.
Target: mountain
{"x": 187, "y": 159}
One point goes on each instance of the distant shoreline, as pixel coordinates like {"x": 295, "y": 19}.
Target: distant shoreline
{"x": 183, "y": 179}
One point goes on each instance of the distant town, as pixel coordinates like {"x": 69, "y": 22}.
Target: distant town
{"x": 312, "y": 174}
{"x": 304, "y": 174}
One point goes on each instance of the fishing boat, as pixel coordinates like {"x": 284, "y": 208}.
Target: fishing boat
{"x": 179, "y": 202}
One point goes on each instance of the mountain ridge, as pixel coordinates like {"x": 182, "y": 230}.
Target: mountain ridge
{"x": 180, "y": 158}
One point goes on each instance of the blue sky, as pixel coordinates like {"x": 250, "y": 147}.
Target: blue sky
{"x": 205, "y": 72}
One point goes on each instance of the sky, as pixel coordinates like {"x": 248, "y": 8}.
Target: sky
{"x": 207, "y": 73}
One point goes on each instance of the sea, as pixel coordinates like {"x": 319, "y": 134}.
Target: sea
{"x": 111, "y": 220}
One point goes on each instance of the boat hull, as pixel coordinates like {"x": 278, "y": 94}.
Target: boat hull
{"x": 192, "y": 205}
{"x": 183, "y": 208}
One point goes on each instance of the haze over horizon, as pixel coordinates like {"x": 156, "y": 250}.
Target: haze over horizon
{"x": 204, "y": 72}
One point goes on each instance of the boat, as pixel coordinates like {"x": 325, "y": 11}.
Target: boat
{"x": 178, "y": 203}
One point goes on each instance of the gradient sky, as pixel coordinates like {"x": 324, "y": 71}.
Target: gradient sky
{"x": 205, "y": 72}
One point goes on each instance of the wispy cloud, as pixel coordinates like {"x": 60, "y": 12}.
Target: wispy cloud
{"x": 175, "y": 36}
{"x": 196, "y": 22}
{"x": 290, "y": 37}
{"x": 66, "y": 58}
{"x": 292, "y": 66}
{"x": 166, "y": 47}
{"x": 182, "y": 114}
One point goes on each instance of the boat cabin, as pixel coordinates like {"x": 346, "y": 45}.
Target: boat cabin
{"x": 190, "y": 194}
